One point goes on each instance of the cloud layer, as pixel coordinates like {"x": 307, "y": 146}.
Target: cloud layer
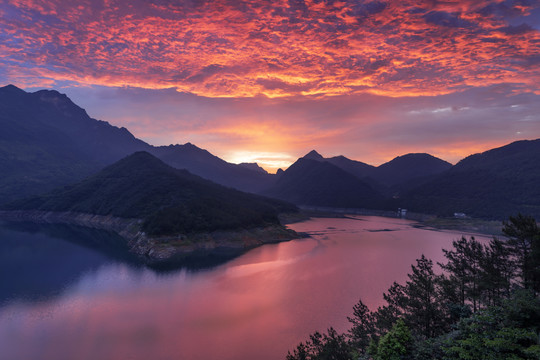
{"x": 226, "y": 48}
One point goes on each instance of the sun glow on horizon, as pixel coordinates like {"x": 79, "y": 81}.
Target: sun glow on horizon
{"x": 270, "y": 161}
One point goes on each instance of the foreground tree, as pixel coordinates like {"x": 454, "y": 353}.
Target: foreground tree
{"x": 396, "y": 344}
{"x": 422, "y": 310}
{"x": 331, "y": 346}
{"x": 524, "y": 243}
{"x": 497, "y": 273}
{"x": 464, "y": 269}
{"x": 509, "y": 331}
{"x": 362, "y": 332}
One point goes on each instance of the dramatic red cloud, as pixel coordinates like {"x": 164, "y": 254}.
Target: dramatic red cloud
{"x": 226, "y": 48}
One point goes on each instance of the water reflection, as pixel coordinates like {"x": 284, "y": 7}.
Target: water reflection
{"x": 258, "y": 305}
{"x": 38, "y": 261}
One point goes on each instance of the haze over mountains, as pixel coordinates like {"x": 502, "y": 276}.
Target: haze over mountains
{"x": 47, "y": 141}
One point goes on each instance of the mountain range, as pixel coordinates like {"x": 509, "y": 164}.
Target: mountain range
{"x": 47, "y": 141}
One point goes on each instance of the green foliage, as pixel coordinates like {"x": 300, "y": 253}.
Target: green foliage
{"x": 509, "y": 331}
{"x": 396, "y": 344}
{"x": 421, "y": 305}
{"x": 430, "y": 349}
{"x": 331, "y": 346}
{"x": 417, "y": 303}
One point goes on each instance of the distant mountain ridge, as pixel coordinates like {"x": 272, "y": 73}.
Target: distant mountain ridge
{"x": 400, "y": 170}
{"x": 47, "y": 141}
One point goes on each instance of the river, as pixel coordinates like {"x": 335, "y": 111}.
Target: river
{"x": 68, "y": 293}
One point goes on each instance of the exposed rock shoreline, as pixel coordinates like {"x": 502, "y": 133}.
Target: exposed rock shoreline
{"x": 162, "y": 250}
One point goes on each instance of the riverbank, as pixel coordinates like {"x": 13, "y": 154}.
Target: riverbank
{"x": 427, "y": 221}
{"x": 163, "y": 250}
{"x": 468, "y": 225}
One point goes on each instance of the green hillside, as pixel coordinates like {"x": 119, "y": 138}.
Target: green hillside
{"x": 169, "y": 201}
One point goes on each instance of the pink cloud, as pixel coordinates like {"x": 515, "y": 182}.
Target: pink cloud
{"x": 248, "y": 48}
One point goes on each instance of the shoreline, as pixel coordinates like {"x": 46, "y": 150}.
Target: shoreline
{"x": 163, "y": 250}
{"x": 467, "y": 225}
{"x": 174, "y": 250}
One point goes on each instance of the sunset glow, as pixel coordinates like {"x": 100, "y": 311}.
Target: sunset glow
{"x": 273, "y": 79}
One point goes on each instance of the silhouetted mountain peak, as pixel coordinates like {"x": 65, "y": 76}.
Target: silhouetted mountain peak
{"x": 55, "y": 97}
{"x": 139, "y": 162}
{"x": 142, "y": 158}
{"x": 253, "y": 166}
{"x": 415, "y": 157}
{"x": 320, "y": 183}
{"x": 11, "y": 89}
{"x": 410, "y": 166}
{"x": 313, "y": 155}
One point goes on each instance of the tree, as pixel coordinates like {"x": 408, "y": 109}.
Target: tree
{"x": 331, "y": 346}
{"x": 386, "y": 316}
{"x": 466, "y": 268}
{"x": 421, "y": 304}
{"x": 524, "y": 243}
{"x": 509, "y": 331}
{"x": 497, "y": 273}
{"x": 362, "y": 331}
{"x": 396, "y": 344}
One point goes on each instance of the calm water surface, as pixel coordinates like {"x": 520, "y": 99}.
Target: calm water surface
{"x": 71, "y": 294}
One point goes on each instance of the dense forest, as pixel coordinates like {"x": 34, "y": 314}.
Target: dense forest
{"x": 485, "y": 305}
{"x": 168, "y": 201}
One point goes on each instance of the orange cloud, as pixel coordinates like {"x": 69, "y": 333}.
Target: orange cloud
{"x": 277, "y": 49}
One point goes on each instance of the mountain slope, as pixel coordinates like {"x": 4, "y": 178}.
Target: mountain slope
{"x": 170, "y": 201}
{"x": 319, "y": 183}
{"x": 357, "y": 168}
{"x": 405, "y": 168}
{"x": 47, "y": 141}
{"x": 494, "y": 184}
{"x": 253, "y": 166}
{"x": 201, "y": 162}
{"x": 34, "y": 155}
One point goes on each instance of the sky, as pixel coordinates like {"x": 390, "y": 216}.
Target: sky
{"x": 267, "y": 81}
